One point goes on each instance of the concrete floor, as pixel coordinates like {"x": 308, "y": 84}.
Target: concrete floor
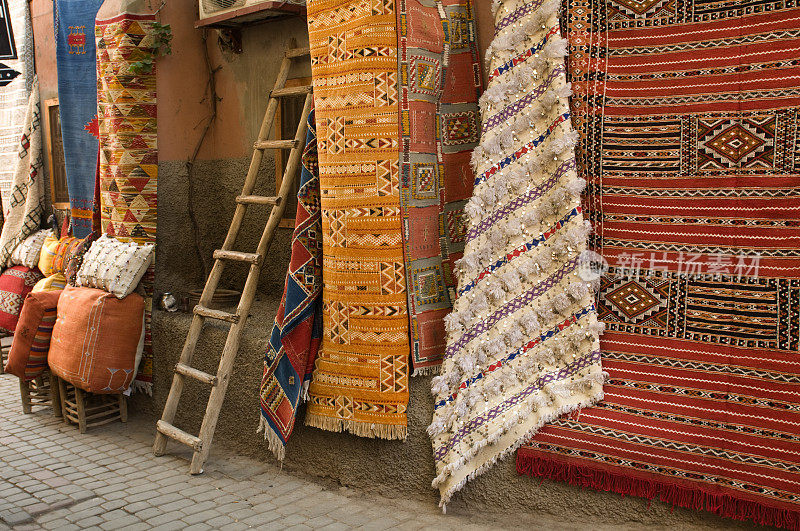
{"x": 52, "y": 477}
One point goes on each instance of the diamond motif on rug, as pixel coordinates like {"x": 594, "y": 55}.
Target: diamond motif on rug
{"x": 736, "y": 143}
{"x": 632, "y": 300}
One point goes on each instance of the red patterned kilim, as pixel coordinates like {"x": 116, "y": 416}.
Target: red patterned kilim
{"x": 688, "y": 113}
{"x": 440, "y": 82}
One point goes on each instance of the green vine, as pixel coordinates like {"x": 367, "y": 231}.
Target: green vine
{"x": 162, "y": 45}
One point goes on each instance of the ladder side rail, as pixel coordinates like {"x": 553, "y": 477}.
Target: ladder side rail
{"x": 231, "y": 347}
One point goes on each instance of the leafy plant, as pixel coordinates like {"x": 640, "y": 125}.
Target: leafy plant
{"x": 162, "y": 45}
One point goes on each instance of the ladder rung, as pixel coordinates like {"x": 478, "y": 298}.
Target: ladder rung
{"x": 275, "y": 144}
{"x": 179, "y": 435}
{"x": 298, "y": 52}
{"x": 216, "y": 314}
{"x": 291, "y": 91}
{"x": 251, "y": 258}
{"x": 258, "y": 200}
{"x": 191, "y": 372}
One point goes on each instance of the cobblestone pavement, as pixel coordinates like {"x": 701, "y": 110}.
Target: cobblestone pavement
{"x": 52, "y": 477}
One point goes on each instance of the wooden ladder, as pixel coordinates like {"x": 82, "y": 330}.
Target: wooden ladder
{"x": 219, "y": 382}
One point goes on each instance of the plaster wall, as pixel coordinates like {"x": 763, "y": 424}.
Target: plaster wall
{"x": 395, "y": 469}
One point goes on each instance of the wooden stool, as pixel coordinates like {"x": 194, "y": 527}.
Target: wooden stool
{"x": 88, "y": 409}
{"x": 5, "y": 348}
{"x": 42, "y": 391}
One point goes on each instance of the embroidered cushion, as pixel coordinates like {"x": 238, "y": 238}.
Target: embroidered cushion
{"x": 28, "y": 356}
{"x": 95, "y": 339}
{"x": 75, "y": 258}
{"x": 52, "y": 283}
{"x": 114, "y": 266}
{"x": 15, "y": 283}
{"x": 54, "y": 254}
{"x": 27, "y": 252}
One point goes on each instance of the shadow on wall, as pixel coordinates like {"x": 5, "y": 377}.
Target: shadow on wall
{"x": 243, "y": 84}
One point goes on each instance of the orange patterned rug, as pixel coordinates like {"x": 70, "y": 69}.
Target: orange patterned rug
{"x": 360, "y": 380}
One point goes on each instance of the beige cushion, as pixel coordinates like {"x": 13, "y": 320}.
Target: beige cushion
{"x": 114, "y": 266}
{"x": 27, "y": 252}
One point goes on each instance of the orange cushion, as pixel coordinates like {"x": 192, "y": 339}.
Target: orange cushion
{"x": 27, "y": 358}
{"x": 95, "y": 339}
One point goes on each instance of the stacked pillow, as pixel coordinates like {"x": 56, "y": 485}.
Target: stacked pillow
{"x": 54, "y": 282}
{"x": 15, "y": 283}
{"x": 54, "y": 254}
{"x": 114, "y": 266}
{"x": 28, "y": 356}
{"x": 27, "y": 253}
{"x": 91, "y": 333}
{"x": 96, "y": 339}
{"x": 75, "y": 258}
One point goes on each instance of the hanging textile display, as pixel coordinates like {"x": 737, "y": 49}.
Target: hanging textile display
{"x": 77, "y": 97}
{"x": 688, "y": 114}
{"x": 297, "y": 332}
{"x": 440, "y": 82}
{"x": 523, "y": 342}
{"x": 360, "y": 380}
{"x": 16, "y": 79}
{"x": 26, "y": 208}
{"x": 128, "y": 168}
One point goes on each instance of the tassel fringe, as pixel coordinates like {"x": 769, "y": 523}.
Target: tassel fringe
{"x": 142, "y": 387}
{"x": 544, "y": 419}
{"x": 678, "y": 496}
{"x": 432, "y": 370}
{"x": 275, "y": 444}
{"x": 360, "y": 429}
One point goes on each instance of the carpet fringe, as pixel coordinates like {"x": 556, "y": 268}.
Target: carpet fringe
{"x": 142, "y": 387}
{"x": 678, "y": 496}
{"x": 273, "y": 441}
{"x": 431, "y": 370}
{"x": 360, "y": 429}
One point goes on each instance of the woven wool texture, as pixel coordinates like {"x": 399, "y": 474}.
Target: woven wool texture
{"x": 297, "y": 332}
{"x": 128, "y": 168}
{"x": 77, "y": 95}
{"x": 95, "y": 339}
{"x": 688, "y": 114}
{"x": 114, "y": 266}
{"x": 360, "y": 379}
{"x": 27, "y": 358}
{"x": 55, "y": 282}
{"x": 440, "y": 126}
{"x": 26, "y": 203}
{"x": 18, "y": 77}
{"x": 15, "y": 283}
{"x": 523, "y": 342}
{"x": 29, "y": 251}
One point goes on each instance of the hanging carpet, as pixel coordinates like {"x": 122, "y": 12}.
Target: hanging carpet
{"x": 26, "y": 199}
{"x": 440, "y": 82}
{"x": 360, "y": 379}
{"x": 688, "y": 115}
{"x": 16, "y": 79}
{"x": 297, "y": 332}
{"x": 77, "y": 97}
{"x": 523, "y": 336}
{"x": 128, "y": 167}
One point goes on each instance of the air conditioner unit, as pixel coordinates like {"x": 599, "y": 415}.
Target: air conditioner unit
{"x": 232, "y": 11}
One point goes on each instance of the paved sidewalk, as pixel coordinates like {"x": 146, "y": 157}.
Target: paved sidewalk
{"x": 52, "y": 477}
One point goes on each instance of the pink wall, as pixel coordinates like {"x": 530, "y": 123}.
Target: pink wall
{"x": 181, "y": 84}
